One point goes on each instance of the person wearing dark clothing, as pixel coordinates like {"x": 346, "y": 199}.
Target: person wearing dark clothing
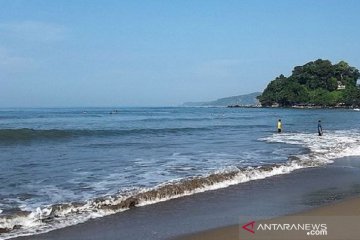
{"x": 320, "y": 130}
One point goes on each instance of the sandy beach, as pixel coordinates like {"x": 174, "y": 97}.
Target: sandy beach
{"x": 342, "y": 221}
{"x": 163, "y": 120}
{"x": 329, "y": 194}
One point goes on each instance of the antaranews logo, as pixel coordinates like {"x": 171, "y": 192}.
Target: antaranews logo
{"x": 311, "y": 229}
{"x": 249, "y": 226}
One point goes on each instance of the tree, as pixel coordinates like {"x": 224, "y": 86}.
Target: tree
{"x": 316, "y": 83}
{"x": 331, "y": 84}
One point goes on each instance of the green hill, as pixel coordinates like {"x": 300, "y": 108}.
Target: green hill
{"x": 317, "y": 83}
{"x": 242, "y": 100}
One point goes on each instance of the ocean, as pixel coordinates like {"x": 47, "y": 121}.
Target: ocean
{"x": 63, "y": 166}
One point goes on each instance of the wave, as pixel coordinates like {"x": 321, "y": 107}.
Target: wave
{"x": 195, "y": 119}
{"x": 324, "y": 149}
{"x": 29, "y": 134}
{"x": 321, "y": 150}
{"x": 61, "y": 215}
{"x": 38, "y": 134}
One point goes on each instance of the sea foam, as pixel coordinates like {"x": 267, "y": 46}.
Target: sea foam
{"x": 322, "y": 150}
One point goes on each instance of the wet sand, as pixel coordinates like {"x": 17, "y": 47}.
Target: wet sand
{"x": 342, "y": 221}
{"x": 269, "y": 198}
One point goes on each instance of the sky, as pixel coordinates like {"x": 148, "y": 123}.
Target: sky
{"x": 163, "y": 53}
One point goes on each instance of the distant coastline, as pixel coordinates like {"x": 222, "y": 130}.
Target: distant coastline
{"x": 244, "y": 106}
{"x": 240, "y": 100}
{"x": 294, "y": 106}
{"x": 316, "y": 84}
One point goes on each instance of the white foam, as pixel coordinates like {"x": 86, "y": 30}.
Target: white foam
{"x": 242, "y": 176}
{"x": 32, "y": 223}
{"x": 323, "y": 150}
{"x": 70, "y": 215}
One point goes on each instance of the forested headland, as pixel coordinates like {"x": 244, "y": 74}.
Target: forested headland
{"x": 317, "y": 83}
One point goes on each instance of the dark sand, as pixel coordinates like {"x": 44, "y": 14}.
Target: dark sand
{"x": 277, "y": 196}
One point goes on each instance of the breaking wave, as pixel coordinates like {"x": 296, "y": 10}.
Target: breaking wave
{"x": 321, "y": 150}
{"x": 29, "y": 134}
{"x": 62, "y": 215}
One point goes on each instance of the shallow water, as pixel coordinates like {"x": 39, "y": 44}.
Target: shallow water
{"x": 60, "y": 167}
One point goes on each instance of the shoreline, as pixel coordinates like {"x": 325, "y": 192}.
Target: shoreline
{"x": 293, "y": 107}
{"x": 344, "y": 209}
{"x": 221, "y": 208}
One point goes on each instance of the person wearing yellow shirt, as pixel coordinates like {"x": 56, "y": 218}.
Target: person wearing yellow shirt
{"x": 279, "y": 126}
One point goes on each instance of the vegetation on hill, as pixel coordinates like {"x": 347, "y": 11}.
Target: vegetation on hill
{"x": 316, "y": 83}
{"x": 242, "y": 100}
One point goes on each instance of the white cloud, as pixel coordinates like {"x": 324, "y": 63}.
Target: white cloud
{"x": 33, "y": 30}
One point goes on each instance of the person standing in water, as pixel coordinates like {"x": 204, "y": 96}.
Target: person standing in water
{"x": 320, "y": 130}
{"x": 279, "y": 126}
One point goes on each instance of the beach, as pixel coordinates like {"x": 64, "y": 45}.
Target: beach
{"x": 177, "y": 120}
{"x": 303, "y": 193}
{"x": 348, "y": 210}
{"x": 161, "y": 173}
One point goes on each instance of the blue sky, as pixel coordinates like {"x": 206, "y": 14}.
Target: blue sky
{"x": 163, "y": 53}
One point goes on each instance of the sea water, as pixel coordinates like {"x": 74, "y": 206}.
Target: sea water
{"x": 60, "y": 167}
